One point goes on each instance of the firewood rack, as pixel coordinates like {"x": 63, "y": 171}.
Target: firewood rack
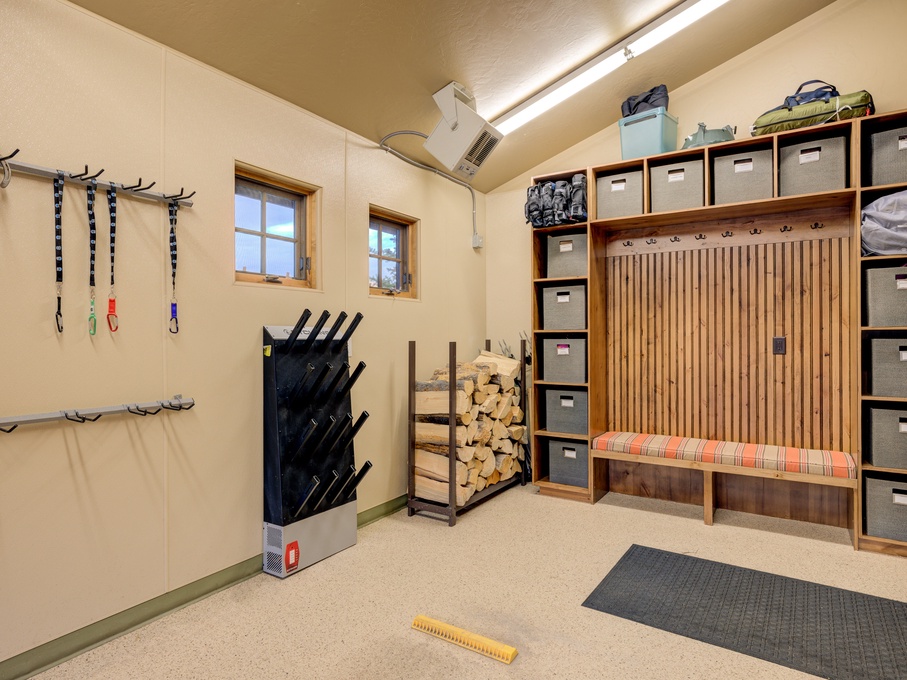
{"x": 451, "y": 510}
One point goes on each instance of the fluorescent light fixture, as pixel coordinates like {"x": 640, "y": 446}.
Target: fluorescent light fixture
{"x": 644, "y": 39}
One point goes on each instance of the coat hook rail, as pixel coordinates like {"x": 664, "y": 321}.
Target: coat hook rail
{"x": 89, "y": 415}
{"x": 85, "y": 178}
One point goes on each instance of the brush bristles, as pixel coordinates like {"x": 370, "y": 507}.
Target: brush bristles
{"x": 477, "y": 643}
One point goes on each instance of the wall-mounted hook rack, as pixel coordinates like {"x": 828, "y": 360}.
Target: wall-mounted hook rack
{"x": 675, "y": 239}
{"x": 700, "y": 237}
{"x": 727, "y": 234}
{"x": 627, "y": 244}
{"x": 651, "y": 241}
{"x": 755, "y": 232}
{"x": 90, "y": 415}
{"x": 786, "y": 228}
{"x": 85, "y": 179}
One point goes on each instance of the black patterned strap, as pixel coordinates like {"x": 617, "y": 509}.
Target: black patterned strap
{"x": 174, "y": 320}
{"x": 58, "y": 245}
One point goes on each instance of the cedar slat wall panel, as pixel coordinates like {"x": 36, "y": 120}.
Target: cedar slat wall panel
{"x": 690, "y": 342}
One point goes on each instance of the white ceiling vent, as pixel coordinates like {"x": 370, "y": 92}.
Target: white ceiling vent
{"x": 462, "y": 139}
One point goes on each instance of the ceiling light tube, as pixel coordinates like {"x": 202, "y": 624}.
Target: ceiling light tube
{"x": 644, "y": 39}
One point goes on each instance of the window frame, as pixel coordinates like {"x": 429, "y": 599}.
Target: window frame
{"x": 409, "y": 255}
{"x": 306, "y": 196}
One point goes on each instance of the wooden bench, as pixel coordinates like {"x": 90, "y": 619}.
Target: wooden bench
{"x": 711, "y": 456}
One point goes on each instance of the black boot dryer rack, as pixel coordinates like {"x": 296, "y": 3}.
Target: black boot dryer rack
{"x": 310, "y": 478}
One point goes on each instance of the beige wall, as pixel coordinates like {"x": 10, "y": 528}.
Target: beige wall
{"x": 99, "y": 517}
{"x": 853, "y": 44}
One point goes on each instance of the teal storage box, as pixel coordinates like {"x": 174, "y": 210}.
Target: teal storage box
{"x": 648, "y": 133}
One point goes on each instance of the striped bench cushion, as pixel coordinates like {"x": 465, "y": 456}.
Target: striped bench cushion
{"x": 783, "y": 458}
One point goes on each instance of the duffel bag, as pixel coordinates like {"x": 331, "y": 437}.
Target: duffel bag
{"x": 814, "y": 107}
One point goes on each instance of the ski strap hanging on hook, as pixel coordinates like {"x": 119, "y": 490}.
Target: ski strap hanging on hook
{"x": 92, "y": 244}
{"x": 113, "y": 322}
{"x": 174, "y": 321}
{"x": 58, "y": 245}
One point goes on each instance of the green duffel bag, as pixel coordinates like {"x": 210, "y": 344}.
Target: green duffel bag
{"x": 821, "y": 106}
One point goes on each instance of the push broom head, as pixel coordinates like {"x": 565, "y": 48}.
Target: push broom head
{"x": 477, "y": 643}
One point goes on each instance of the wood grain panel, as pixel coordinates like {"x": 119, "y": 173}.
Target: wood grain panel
{"x": 689, "y": 338}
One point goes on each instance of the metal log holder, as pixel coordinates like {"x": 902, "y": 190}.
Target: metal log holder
{"x": 310, "y": 478}
{"x": 450, "y": 509}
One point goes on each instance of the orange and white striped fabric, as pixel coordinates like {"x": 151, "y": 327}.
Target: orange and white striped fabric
{"x": 783, "y": 458}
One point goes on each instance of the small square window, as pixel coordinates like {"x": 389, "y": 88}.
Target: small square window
{"x": 270, "y": 230}
{"x": 391, "y": 250}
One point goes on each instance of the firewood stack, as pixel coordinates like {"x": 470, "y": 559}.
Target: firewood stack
{"x": 490, "y": 435}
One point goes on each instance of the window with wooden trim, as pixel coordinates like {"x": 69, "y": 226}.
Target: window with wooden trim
{"x": 271, "y": 225}
{"x": 391, "y": 254}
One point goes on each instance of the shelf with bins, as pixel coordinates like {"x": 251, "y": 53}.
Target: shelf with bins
{"x": 558, "y": 417}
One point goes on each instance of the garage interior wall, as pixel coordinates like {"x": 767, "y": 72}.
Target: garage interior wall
{"x": 99, "y": 517}
{"x": 852, "y": 44}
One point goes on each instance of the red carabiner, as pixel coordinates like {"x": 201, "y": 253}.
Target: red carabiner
{"x": 113, "y": 323}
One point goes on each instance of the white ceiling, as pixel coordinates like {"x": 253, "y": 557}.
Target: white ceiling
{"x": 371, "y": 67}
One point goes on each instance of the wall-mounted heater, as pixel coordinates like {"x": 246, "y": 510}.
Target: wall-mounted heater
{"x": 462, "y": 140}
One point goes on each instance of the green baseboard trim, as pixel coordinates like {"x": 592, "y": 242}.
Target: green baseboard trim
{"x": 379, "y": 511}
{"x": 72, "y": 644}
{"x": 57, "y": 651}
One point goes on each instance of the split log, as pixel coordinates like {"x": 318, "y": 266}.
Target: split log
{"x": 439, "y": 492}
{"x": 462, "y": 419}
{"x": 499, "y": 430}
{"x": 474, "y": 411}
{"x": 516, "y": 432}
{"x": 490, "y": 403}
{"x": 438, "y": 467}
{"x": 479, "y": 374}
{"x": 517, "y": 467}
{"x": 482, "y": 452}
{"x": 519, "y": 451}
{"x": 491, "y": 388}
{"x": 506, "y": 365}
{"x": 505, "y": 381}
{"x": 502, "y": 462}
{"x": 470, "y": 490}
{"x": 517, "y": 414}
{"x": 438, "y": 403}
{"x": 507, "y": 475}
{"x": 501, "y": 407}
{"x": 487, "y": 466}
{"x": 507, "y": 418}
{"x": 506, "y": 447}
{"x": 471, "y": 430}
{"x": 439, "y": 435}
{"x": 495, "y": 444}
{"x": 494, "y": 478}
{"x": 472, "y": 476}
{"x": 443, "y": 385}
{"x": 480, "y": 483}
{"x": 466, "y": 453}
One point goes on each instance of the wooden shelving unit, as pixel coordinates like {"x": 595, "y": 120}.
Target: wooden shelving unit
{"x": 816, "y": 396}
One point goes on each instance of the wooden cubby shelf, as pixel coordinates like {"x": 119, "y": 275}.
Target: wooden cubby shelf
{"x": 682, "y": 306}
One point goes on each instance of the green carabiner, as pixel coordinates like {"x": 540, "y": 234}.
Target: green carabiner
{"x": 92, "y": 320}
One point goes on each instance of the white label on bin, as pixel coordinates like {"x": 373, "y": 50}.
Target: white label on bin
{"x": 902, "y": 426}
{"x": 897, "y": 497}
{"x": 903, "y": 354}
{"x": 571, "y": 453}
{"x": 563, "y": 296}
{"x": 810, "y": 155}
{"x": 902, "y": 142}
{"x": 565, "y": 349}
{"x": 675, "y": 175}
{"x": 900, "y": 281}
{"x": 618, "y": 185}
{"x": 566, "y": 246}
{"x": 743, "y": 165}
{"x": 567, "y": 402}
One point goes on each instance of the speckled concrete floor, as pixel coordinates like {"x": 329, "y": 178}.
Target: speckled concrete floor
{"x": 515, "y": 569}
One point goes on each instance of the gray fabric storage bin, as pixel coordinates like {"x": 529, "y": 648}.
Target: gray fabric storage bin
{"x": 678, "y": 186}
{"x": 618, "y": 194}
{"x": 566, "y": 255}
{"x": 886, "y": 508}
{"x": 564, "y": 307}
{"x": 888, "y": 438}
{"x": 568, "y": 462}
{"x": 567, "y": 411}
{"x": 888, "y": 370}
{"x": 564, "y": 360}
{"x": 889, "y": 156}
{"x": 743, "y": 177}
{"x": 886, "y": 296}
{"x": 810, "y": 167}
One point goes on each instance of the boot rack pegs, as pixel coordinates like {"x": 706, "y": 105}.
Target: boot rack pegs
{"x": 90, "y": 415}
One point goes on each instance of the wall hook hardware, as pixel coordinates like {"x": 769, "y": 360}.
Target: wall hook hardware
{"x": 137, "y": 410}
{"x": 786, "y": 228}
{"x": 180, "y": 196}
{"x": 651, "y": 241}
{"x": 675, "y": 239}
{"x": 700, "y": 237}
{"x": 816, "y": 225}
{"x": 79, "y": 418}
{"x": 627, "y": 244}
{"x": 6, "y": 158}
{"x": 84, "y": 176}
{"x": 7, "y": 430}
{"x": 727, "y": 233}
{"x": 138, "y": 186}
{"x": 755, "y": 232}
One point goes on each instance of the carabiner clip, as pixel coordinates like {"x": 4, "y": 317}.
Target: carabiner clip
{"x": 59, "y": 319}
{"x": 112, "y": 321}
{"x": 92, "y": 324}
{"x": 174, "y": 321}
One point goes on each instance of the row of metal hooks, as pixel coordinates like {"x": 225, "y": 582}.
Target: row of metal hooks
{"x": 8, "y": 166}
{"x": 178, "y": 403}
{"x": 727, "y": 234}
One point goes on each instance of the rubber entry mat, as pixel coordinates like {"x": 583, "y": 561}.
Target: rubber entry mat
{"x": 825, "y": 631}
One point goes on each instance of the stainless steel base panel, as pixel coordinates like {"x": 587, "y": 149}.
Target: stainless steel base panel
{"x": 286, "y": 550}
